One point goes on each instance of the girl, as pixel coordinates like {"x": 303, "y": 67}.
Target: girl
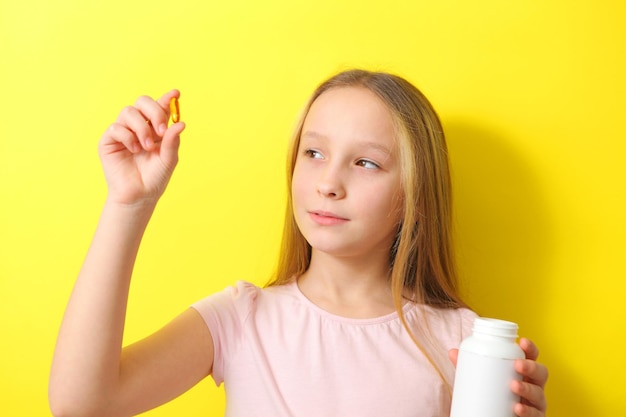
{"x": 363, "y": 312}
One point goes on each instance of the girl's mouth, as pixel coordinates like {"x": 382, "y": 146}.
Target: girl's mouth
{"x": 325, "y": 218}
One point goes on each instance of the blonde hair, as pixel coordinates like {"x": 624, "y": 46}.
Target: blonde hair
{"x": 422, "y": 259}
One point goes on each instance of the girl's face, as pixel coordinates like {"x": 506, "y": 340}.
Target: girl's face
{"x": 346, "y": 187}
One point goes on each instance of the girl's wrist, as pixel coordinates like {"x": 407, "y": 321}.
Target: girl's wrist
{"x": 136, "y": 212}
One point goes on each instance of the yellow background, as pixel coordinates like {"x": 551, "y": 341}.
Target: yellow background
{"x": 531, "y": 93}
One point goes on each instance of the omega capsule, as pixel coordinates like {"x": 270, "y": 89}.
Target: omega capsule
{"x": 174, "y": 110}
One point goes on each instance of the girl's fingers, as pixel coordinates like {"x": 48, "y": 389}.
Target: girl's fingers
{"x": 144, "y": 124}
{"x": 171, "y": 143}
{"x": 523, "y": 410}
{"x": 118, "y": 134}
{"x": 157, "y": 112}
{"x": 453, "y": 355}
{"x": 133, "y": 119}
{"x": 531, "y": 389}
{"x": 164, "y": 101}
{"x": 532, "y": 371}
{"x": 529, "y": 348}
{"x": 530, "y": 394}
{"x": 154, "y": 115}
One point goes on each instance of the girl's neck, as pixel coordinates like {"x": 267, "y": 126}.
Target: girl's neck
{"x": 356, "y": 288}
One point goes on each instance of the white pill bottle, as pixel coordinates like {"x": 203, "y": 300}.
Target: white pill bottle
{"x": 485, "y": 370}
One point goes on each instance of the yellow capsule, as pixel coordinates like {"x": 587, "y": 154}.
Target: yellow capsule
{"x": 174, "y": 110}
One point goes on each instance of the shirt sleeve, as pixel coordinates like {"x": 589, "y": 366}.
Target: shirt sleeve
{"x": 225, "y": 314}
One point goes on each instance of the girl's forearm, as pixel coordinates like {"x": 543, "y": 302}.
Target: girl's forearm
{"x": 86, "y": 362}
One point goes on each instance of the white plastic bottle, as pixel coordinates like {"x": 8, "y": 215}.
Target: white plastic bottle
{"x": 485, "y": 370}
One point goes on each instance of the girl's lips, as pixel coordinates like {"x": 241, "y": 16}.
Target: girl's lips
{"x": 326, "y": 219}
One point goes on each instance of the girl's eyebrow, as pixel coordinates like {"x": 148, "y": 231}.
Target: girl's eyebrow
{"x": 310, "y": 134}
{"x": 376, "y": 146}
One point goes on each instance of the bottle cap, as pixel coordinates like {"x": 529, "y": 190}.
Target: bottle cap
{"x": 495, "y": 327}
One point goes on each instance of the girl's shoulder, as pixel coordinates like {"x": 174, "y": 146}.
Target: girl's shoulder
{"x": 234, "y": 302}
{"x": 242, "y": 299}
{"x": 448, "y": 326}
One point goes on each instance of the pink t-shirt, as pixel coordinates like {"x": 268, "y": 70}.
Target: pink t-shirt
{"x": 278, "y": 354}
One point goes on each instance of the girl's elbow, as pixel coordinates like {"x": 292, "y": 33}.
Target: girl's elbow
{"x": 64, "y": 405}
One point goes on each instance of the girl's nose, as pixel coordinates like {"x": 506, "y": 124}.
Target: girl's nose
{"x": 330, "y": 184}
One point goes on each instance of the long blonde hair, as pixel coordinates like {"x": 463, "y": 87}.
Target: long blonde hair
{"x": 422, "y": 259}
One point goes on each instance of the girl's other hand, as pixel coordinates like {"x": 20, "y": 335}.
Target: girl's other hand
{"x": 531, "y": 388}
{"x": 139, "y": 152}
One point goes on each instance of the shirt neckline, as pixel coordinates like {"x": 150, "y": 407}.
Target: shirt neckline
{"x": 393, "y": 316}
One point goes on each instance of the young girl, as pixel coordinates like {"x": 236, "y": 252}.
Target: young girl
{"x": 363, "y": 317}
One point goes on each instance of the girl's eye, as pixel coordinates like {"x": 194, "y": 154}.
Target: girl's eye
{"x": 312, "y": 153}
{"x": 367, "y": 164}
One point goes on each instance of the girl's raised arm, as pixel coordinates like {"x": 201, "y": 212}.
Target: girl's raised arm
{"x": 91, "y": 373}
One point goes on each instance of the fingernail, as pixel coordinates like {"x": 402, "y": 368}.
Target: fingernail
{"x": 162, "y": 129}
{"x": 149, "y": 143}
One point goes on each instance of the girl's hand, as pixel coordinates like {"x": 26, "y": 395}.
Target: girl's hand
{"x": 531, "y": 388}
{"x": 139, "y": 152}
